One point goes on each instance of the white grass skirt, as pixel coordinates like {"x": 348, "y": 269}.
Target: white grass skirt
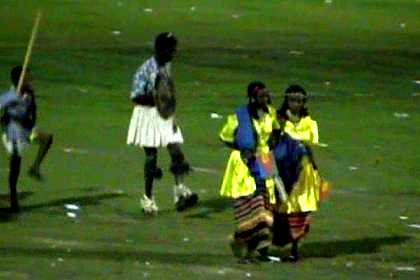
{"x": 148, "y": 129}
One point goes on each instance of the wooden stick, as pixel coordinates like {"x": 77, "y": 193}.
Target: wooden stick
{"x": 28, "y": 52}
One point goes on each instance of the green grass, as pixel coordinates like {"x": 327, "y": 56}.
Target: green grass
{"x": 83, "y": 76}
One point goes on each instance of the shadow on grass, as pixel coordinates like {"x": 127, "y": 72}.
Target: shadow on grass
{"x": 7, "y": 216}
{"x": 118, "y": 254}
{"x": 21, "y": 196}
{"x": 331, "y": 249}
{"x": 80, "y": 200}
{"x": 211, "y": 206}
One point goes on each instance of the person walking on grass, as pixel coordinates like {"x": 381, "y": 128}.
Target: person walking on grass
{"x": 248, "y": 132}
{"x": 296, "y": 167}
{"x": 152, "y": 124}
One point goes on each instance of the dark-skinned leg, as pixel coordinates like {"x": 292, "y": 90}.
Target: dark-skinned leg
{"x": 15, "y": 161}
{"x": 44, "y": 140}
{"x": 184, "y": 198}
{"x": 150, "y": 166}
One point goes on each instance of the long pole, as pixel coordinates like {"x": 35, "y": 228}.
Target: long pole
{"x": 29, "y": 51}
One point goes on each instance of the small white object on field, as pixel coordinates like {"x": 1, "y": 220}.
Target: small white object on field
{"x": 349, "y": 264}
{"x": 71, "y": 215}
{"x": 216, "y": 116}
{"x": 235, "y": 16}
{"x": 118, "y": 191}
{"x": 248, "y": 275}
{"x": 221, "y": 271}
{"x": 403, "y": 218}
{"x": 53, "y": 264}
{"x": 327, "y": 83}
{"x": 353, "y": 168}
{"x": 192, "y": 9}
{"x": 402, "y": 25}
{"x": 401, "y": 115}
{"x": 148, "y": 10}
{"x": 71, "y": 207}
{"x": 405, "y": 268}
{"x": 417, "y": 82}
{"x": 274, "y": 259}
{"x": 146, "y": 274}
{"x": 323, "y": 145}
{"x": 296, "y": 52}
{"x": 147, "y": 263}
{"x": 82, "y": 90}
{"x": 414, "y": 226}
{"x": 186, "y": 239}
{"x": 60, "y": 259}
{"x": 328, "y": 2}
{"x": 116, "y": 32}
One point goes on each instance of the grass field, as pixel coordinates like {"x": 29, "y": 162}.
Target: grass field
{"x": 358, "y": 60}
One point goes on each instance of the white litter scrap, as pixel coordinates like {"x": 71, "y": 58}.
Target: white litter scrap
{"x": 400, "y": 115}
{"x": 248, "y": 275}
{"x": 72, "y": 207}
{"x": 71, "y": 215}
{"x": 405, "y": 268}
{"x": 118, "y": 191}
{"x": 353, "y": 168}
{"x": 327, "y": 83}
{"x": 221, "y": 271}
{"x": 192, "y": 9}
{"x": 71, "y": 150}
{"x": 328, "y": 2}
{"x": 147, "y": 263}
{"x": 60, "y": 259}
{"x": 116, "y": 32}
{"x": 349, "y": 264}
{"x": 322, "y": 145}
{"x": 274, "y": 259}
{"x": 403, "y": 218}
{"x": 185, "y": 239}
{"x": 148, "y": 10}
{"x": 403, "y": 25}
{"x": 417, "y": 226}
{"x": 417, "y": 82}
{"x": 216, "y": 116}
{"x": 295, "y": 52}
{"x": 82, "y": 90}
{"x": 235, "y": 16}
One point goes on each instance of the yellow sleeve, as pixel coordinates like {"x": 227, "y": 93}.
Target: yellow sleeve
{"x": 227, "y": 134}
{"x": 273, "y": 114}
{"x": 314, "y": 132}
{"x": 306, "y": 130}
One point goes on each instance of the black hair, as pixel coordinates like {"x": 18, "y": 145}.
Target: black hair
{"x": 15, "y": 74}
{"x": 165, "y": 40}
{"x": 253, "y": 88}
{"x": 291, "y": 89}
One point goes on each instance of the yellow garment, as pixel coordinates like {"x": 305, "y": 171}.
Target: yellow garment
{"x": 306, "y": 191}
{"x": 237, "y": 180}
{"x": 305, "y": 130}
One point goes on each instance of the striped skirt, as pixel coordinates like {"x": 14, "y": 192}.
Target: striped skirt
{"x": 254, "y": 220}
{"x": 290, "y": 227}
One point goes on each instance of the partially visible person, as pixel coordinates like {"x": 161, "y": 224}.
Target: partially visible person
{"x": 18, "y": 120}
